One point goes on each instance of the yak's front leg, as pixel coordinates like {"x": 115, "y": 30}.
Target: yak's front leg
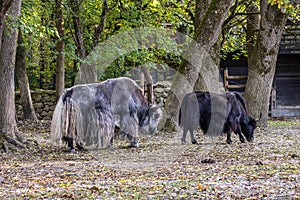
{"x": 132, "y": 140}
{"x": 239, "y": 132}
{"x": 79, "y": 146}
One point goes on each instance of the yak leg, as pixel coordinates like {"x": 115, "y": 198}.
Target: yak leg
{"x": 134, "y": 142}
{"x": 183, "y": 141}
{"x": 239, "y": 132}
{"x": 70, "y": 144}
{"x": 193, "y": 140}
{"x": 128, "y": 124}
{"x": 228, "y": 140}
{"x": 111, "y": 145}
{"x": 79, "y": 145}
{"x": 227, "y": 130}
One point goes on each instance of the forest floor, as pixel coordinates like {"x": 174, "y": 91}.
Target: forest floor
{"x": 161, "y": 168}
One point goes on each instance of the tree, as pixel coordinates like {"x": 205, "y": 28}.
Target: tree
{"x": 262, "y": 60}
{"x": 205, "y": 36}
{"x": 8, "y": 127}
{"x": 4, "y": 6}
{"x": 60, "y": 46}
{"x": 87, "y": 74}
{"x": 21, "y": 74}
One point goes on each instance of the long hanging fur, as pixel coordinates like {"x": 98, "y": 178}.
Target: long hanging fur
{"x": 86, "y": 114}
{"x": 77, "y": 116}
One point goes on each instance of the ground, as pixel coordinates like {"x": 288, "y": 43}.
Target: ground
{"x": 161, "y": 168}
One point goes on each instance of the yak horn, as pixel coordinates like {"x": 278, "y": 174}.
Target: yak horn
{"x": 155, "y": 108}
{"x": 260, "y": 115}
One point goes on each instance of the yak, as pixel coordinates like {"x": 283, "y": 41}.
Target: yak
{"x": 216, "y": 114}
{"x": 87, "y": 114}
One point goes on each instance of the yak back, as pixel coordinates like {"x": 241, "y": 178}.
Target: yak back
{"x": 123, "y": 94}
{"x": 199, "y": 108}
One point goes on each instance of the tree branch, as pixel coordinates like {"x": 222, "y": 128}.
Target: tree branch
{"x": 99, "y": 28}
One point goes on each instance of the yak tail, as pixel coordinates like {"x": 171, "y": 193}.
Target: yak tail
{"x": 182, "y": 112}
{"x": 65, "y": 121}
{"x": 241, "y": 99}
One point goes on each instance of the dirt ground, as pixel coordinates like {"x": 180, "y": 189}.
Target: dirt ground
{"x": 161, "y": 168}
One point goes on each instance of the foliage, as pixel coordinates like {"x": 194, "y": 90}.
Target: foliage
{"x": 129, "y": 15}
{"x": 40, "y": 35}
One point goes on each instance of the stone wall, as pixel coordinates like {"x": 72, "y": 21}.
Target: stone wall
{"x": 161, "y": 90}
{"x": 44, "y": 100}
{"x": 43, "y": 103}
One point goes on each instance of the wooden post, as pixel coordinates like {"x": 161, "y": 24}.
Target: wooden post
{"x": 142, "y": 83}
{"x": 226, "y": 79}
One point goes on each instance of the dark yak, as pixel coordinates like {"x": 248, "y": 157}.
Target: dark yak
{"x": 216, "y": 114}
{"x": 87, "y": 114}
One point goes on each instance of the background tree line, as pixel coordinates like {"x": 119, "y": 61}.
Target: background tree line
{"x": 54, "y": 37}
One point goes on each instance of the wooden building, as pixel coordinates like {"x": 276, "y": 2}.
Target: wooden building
{"x": 285, "y": 97}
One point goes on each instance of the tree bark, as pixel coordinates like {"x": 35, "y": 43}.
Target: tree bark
{"x": 4, "y": 6}
{"x": 198, "y": 61}
{"x": 99, "y": 28}
{"x": 149, "y": 84}
{"x": 21, "y": 74}
{"x": 60, "y": 46}
{"x": 262, "y": 63}
{"x": 87, "y": 73}
{"x": 252, "y": 29}
{"x": 8, "y": 126}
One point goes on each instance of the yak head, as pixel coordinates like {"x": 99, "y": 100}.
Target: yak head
{"x": 248, "y": 125}
{"x": 149, "y": 118}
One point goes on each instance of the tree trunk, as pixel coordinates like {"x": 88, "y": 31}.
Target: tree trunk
{"x": 21, "y": 74}
{"x": 8, "y": 126}
{"x": 99, "y": 28}
{"x": 87, "y": 73}
{"x": 60, "y": 46}
{"x": 252, "y": 29}
{"x": 262, "y": 63}
{"x": 4, "y": 6}
{"x": 199, "y": 63}
{"x": 149, "y": 84}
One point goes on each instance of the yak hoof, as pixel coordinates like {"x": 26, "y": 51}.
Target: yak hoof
{"x": 134, "y": 144}
{"x": 183, "y": 141}
{"x": 242, "y": 140}
{"x": 194, "y": 142}
{"x": 228, "y": 141}
{"x": 70, "y": 150}
{"x": 80, "y": 147}
{"x": 111, "y": 148}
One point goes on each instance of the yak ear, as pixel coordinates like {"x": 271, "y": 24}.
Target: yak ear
{"x": 156, "y": 107}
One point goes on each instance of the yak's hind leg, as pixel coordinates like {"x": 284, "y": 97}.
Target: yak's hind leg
{"x": 183, "y": 138}
{"x": 193, "y": 140}
{"x": 70, "y": 144}
{"x": 227, "y": 130}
